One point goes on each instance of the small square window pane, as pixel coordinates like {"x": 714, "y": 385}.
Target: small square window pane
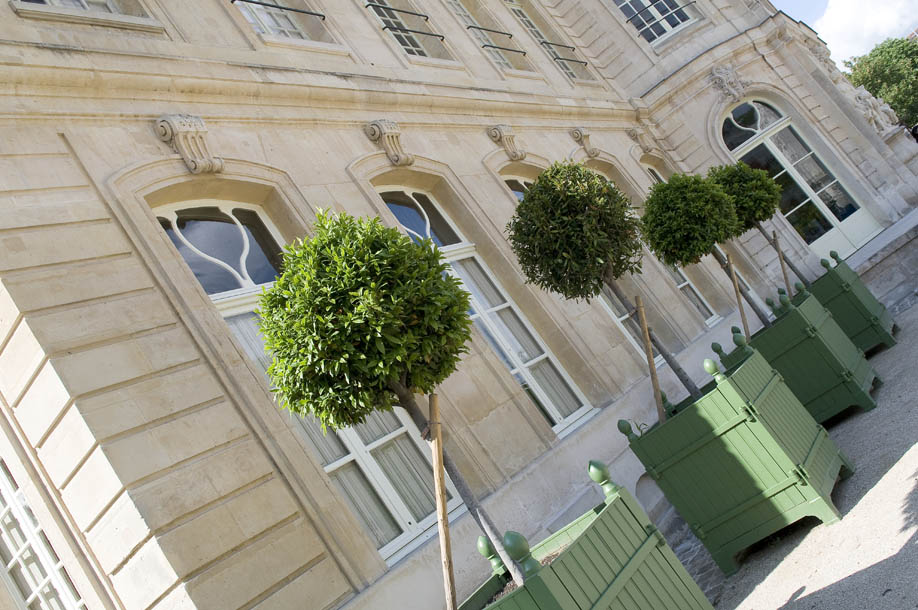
{"x": 790, "y": 144}
{"x": 377, "y": 425}
{"x": 814, "y": 172}
{"x": 515, "y": 333}
{"x": 410, "y": 475}
{"x": 838, "y": 201}
{"x": 551, "y": 382}
{"x": 761, "y": 158}
{"x": 791, "y": 193}
{"x": 809, "y": 222}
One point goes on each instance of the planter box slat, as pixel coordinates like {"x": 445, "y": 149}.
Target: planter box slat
{"x": 614, "y": 559}
{"x": 744, "y": 461}
{"x": 860, "y": 315}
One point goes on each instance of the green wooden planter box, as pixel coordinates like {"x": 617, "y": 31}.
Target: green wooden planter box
{"x": 863, "y": 318}
{"x": 742, "y": 462}
{"x": 818, "y": 361}
{"x": 611, "y": 557}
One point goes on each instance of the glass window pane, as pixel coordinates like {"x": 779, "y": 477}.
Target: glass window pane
{"x": 838, "y": 201}
{"x": 746, "y": 115}
{"x": 440, "y": 230}
{"x": 613, "y": 302}
{"x": 791, "y": 193}
{"x": 767, "y": 115}
{"x": 790, "y": 144}
{"x": 734, "y": 136}
{"x": 213, "y": 278}
{"x": 814, "y": 172}
{"x": 518, "y": 189}
{"x": 809, "y": 222}
{"x": 476, "y": 281}
{"x": 366, "y": 504}
{"x": 327, "y": 445}
{"x": 409, "y": 216}
{"x": 263, "y": 262}
{"x": 212, "y": 232}
{"x": 514, "y": 332}
{"x": 695, "y": 300}
{"x": 409, "y": 473}
{"x": 377, "y": 425}
{"x": 551, "y": 382}
{"x": 524, "y": 383}
{"x": 761, "y": 158}
{"x": 245, "y": 328}
{"x": 492, "y": 341}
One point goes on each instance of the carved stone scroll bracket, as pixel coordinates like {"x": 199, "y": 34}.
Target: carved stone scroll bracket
{"x": 387, "y": 134}
{"x": 582, "y": 136}
{"x": 187, "y": 135}
{"x": 726, "y": 80}
{"x": 504, "y": 136}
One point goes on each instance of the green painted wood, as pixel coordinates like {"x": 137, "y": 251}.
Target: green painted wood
{"x": 744, "y": 461}
{"x": 815, "y": 357}
{"x": 610, "y": 558}
{"x": 860, "y": 315}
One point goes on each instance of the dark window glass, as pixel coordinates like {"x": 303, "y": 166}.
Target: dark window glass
{"x": 809, "y": 222}
{"x": 213, "y": 278}
{"x": 761, "y": 158}
{"x": 264, "y": 260}
{"x": 734, "y": 136}
{"x": 838, "y": 201}
{"x": 791, "y": 193}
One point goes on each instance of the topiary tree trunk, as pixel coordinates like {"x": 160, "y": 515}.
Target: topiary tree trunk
{"x": 787, "y": 261}
{"x": 407, "y": 400}
{"x": 759, "y": 312}
{"x": 610, "y": 281}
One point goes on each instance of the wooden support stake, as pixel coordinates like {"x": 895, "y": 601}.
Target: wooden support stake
{"x": 739, "y": 298}
{"x": 648, "y": 349}
{"x": 446, "y": 554}
{"x": 774, "y": 236}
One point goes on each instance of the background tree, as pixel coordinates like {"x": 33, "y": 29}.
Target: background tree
{"x": 363, "y": 317}
{"x": 890, "y": 72}
{"x": 685, "y": 218}
{"x": 574, "y": 232}
{"x": 755, "y": 198}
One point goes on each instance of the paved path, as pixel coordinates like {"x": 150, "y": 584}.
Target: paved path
{"x": 869, "y": 560}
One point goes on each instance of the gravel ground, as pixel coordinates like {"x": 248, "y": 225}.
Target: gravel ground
{"x": 868, "y": 560}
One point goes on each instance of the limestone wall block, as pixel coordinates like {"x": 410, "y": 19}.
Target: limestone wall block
{"x": 49, "y": 245}
{"x": 118, "y": 534}
{"x": 223, "y": 528}
{"x": 9, "y": 314}
{"x": 47, "y": 207}
{"x": 18, "y": 362}
{"x": 42, "y": 403}
{"x": 91, "y": 489}
{"x": 145, "y": 577}
{"x": 66, "y": 446}
{"x": 321, "y": 587}
{"x": 106, "y": 365}
{"x": 174, "y": 441}
{"x": 122, "y": 409}
{"x": 22, "y": 172}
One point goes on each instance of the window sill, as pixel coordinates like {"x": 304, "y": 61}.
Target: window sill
{"x": 76, "y": 15}
{"x": 659, "y": 45}
{"x": 330, "y": 48}
{"x": 450, "y": 64}
{"x": 530, "y": 74}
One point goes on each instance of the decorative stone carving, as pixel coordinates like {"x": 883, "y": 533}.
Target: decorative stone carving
{"x": 727, "y": 81}
{"x": 640, "y": 136}
{"x": 387, "y": 134}
{"x": 877, "y": 112}
{"x": 582, "y": 136}
{"x": 187, "y": 135}
{"x": 504, "y": 136}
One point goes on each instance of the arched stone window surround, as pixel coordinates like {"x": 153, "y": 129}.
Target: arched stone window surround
{"x": 374, "y": 174}
{"x": 814, "y": 134}
{"x": 134, "y": 193}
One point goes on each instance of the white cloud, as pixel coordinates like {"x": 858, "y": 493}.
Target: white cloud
{"x": 853, "y": 27}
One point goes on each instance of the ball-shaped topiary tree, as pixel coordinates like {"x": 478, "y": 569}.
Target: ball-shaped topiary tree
{"x": 363, "y": 317}
{"x": 756, "y": 198}
{"x": 571, "y": 229}
{"x": 685, "y": 217}
{"x": 755, "y": 195}
{"x": 574, "y": 231}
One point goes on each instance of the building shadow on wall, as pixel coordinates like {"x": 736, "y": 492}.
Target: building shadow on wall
{"x": 889, "y": 584}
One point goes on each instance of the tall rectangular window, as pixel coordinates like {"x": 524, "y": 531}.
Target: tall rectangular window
{"x": 33, "y": 572}
{"x": 410, "y": 28}
{"x": 124, "y": 7}
{"x": 562, "y": 54}
{"x": 485, "y": 30}
{"x": 282, "y": 22}
{"x": 654, "y": 19}
{"x": 691, "y": 293}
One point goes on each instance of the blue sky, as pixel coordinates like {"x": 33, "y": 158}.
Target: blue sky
{"x": 802, "y": 10}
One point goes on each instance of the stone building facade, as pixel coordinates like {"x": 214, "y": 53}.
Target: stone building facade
{"x": 155, "y": 154}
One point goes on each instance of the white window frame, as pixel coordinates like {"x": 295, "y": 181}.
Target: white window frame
{"x": 244, "y": 300}
{"x": 659, "y": 18}
{"x": 37, "y": 542}
{"x": 110, "y": 6}
{"x": 561, "y": 425}
{"x": 255, "y": 15}
{"x": 636, "y": 343}
{"x": 525, "y": 182}
{"x": 683, "y": 283}
{"x": 485, "y": 39}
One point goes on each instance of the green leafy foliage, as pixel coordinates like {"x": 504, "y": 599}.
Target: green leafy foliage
{"x": 685, "y": 217}
{"x": 357, "y": 306}
{"x": 571, "y": 227}
{"x": 755, "y": 195}
{"x": 890, "y": 72}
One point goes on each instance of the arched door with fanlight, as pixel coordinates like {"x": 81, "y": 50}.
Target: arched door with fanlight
{"x": 813, "y": 200}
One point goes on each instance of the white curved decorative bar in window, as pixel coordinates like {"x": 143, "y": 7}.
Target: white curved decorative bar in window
{"x": 813, "y": 200}
{"x": 498, "y": 319}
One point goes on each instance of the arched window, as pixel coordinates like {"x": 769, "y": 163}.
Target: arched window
{"x": 813, "y": 200}
{"x": 518, "y": 186}
{"x": 379, "y": 467}
{"x": 498, "y": 319}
